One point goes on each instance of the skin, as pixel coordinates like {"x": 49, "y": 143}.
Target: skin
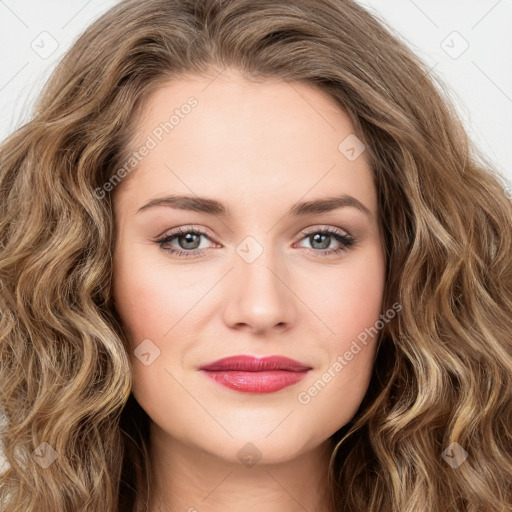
{"x": 259, "y": 148}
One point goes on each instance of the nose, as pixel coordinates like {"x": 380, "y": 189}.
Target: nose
{"x": 259, "y": 296}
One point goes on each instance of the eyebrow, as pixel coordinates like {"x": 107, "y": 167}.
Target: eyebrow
{"x": 213, "y": 207}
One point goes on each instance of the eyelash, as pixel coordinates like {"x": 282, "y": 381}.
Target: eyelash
{"x": 347, "y": 241}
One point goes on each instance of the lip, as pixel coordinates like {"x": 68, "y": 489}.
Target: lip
{"x": 249, "y": 374}
{"x": 255, "y": 364}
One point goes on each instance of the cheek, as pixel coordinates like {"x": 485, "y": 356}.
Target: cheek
{"x": 352, "y": 300}
{"x": 352, "y": 312}
{"x": 137, "y": 300}
{"x": 149, "y": 304}
{"x": 149, "y": 296}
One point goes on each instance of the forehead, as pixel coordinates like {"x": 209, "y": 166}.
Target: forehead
{"x": 246, "y": 142}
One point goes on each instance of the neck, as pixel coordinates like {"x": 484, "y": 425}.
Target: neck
{"x": 187, "y": 478}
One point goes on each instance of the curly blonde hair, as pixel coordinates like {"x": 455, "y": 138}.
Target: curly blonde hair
{"x": 443, "y": 369}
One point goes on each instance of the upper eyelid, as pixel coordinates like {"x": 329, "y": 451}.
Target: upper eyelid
{"x": 314, "y": 229}
{"x": 208, "y": 232}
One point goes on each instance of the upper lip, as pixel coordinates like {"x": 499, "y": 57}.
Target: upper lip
{"x": 255, "y": 364}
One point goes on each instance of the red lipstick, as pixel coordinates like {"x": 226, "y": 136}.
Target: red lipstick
{"x": 250, "y": 374}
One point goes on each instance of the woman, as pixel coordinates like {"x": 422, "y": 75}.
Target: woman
{"x": 251, "y": 260}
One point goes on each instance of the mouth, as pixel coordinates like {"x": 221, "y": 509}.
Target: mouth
{"x": 248, "y": 374}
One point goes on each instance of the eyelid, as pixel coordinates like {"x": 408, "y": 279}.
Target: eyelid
{"x": 321, "y": 227}
{"x": 177, "y": 229}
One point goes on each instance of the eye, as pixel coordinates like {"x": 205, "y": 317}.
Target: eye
{"x": 189, "y": 241}
{"x": 320, "y": 239}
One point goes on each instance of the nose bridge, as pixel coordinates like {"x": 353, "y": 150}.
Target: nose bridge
{"x": 257, "y": 266}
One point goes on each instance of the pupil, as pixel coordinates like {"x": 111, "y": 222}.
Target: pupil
{"x": 189, "y": 240}
{"x": 323, "y": 244}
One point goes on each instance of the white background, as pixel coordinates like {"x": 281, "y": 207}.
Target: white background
{"x": 480, "y": 78}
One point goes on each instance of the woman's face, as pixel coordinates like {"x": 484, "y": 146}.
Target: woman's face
{"x": 264, "y": 279}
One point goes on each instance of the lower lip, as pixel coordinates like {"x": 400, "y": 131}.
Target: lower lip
{"x": 256, "y": 382}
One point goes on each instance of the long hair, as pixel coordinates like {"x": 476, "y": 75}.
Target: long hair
{"x": 74, "y": 437}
